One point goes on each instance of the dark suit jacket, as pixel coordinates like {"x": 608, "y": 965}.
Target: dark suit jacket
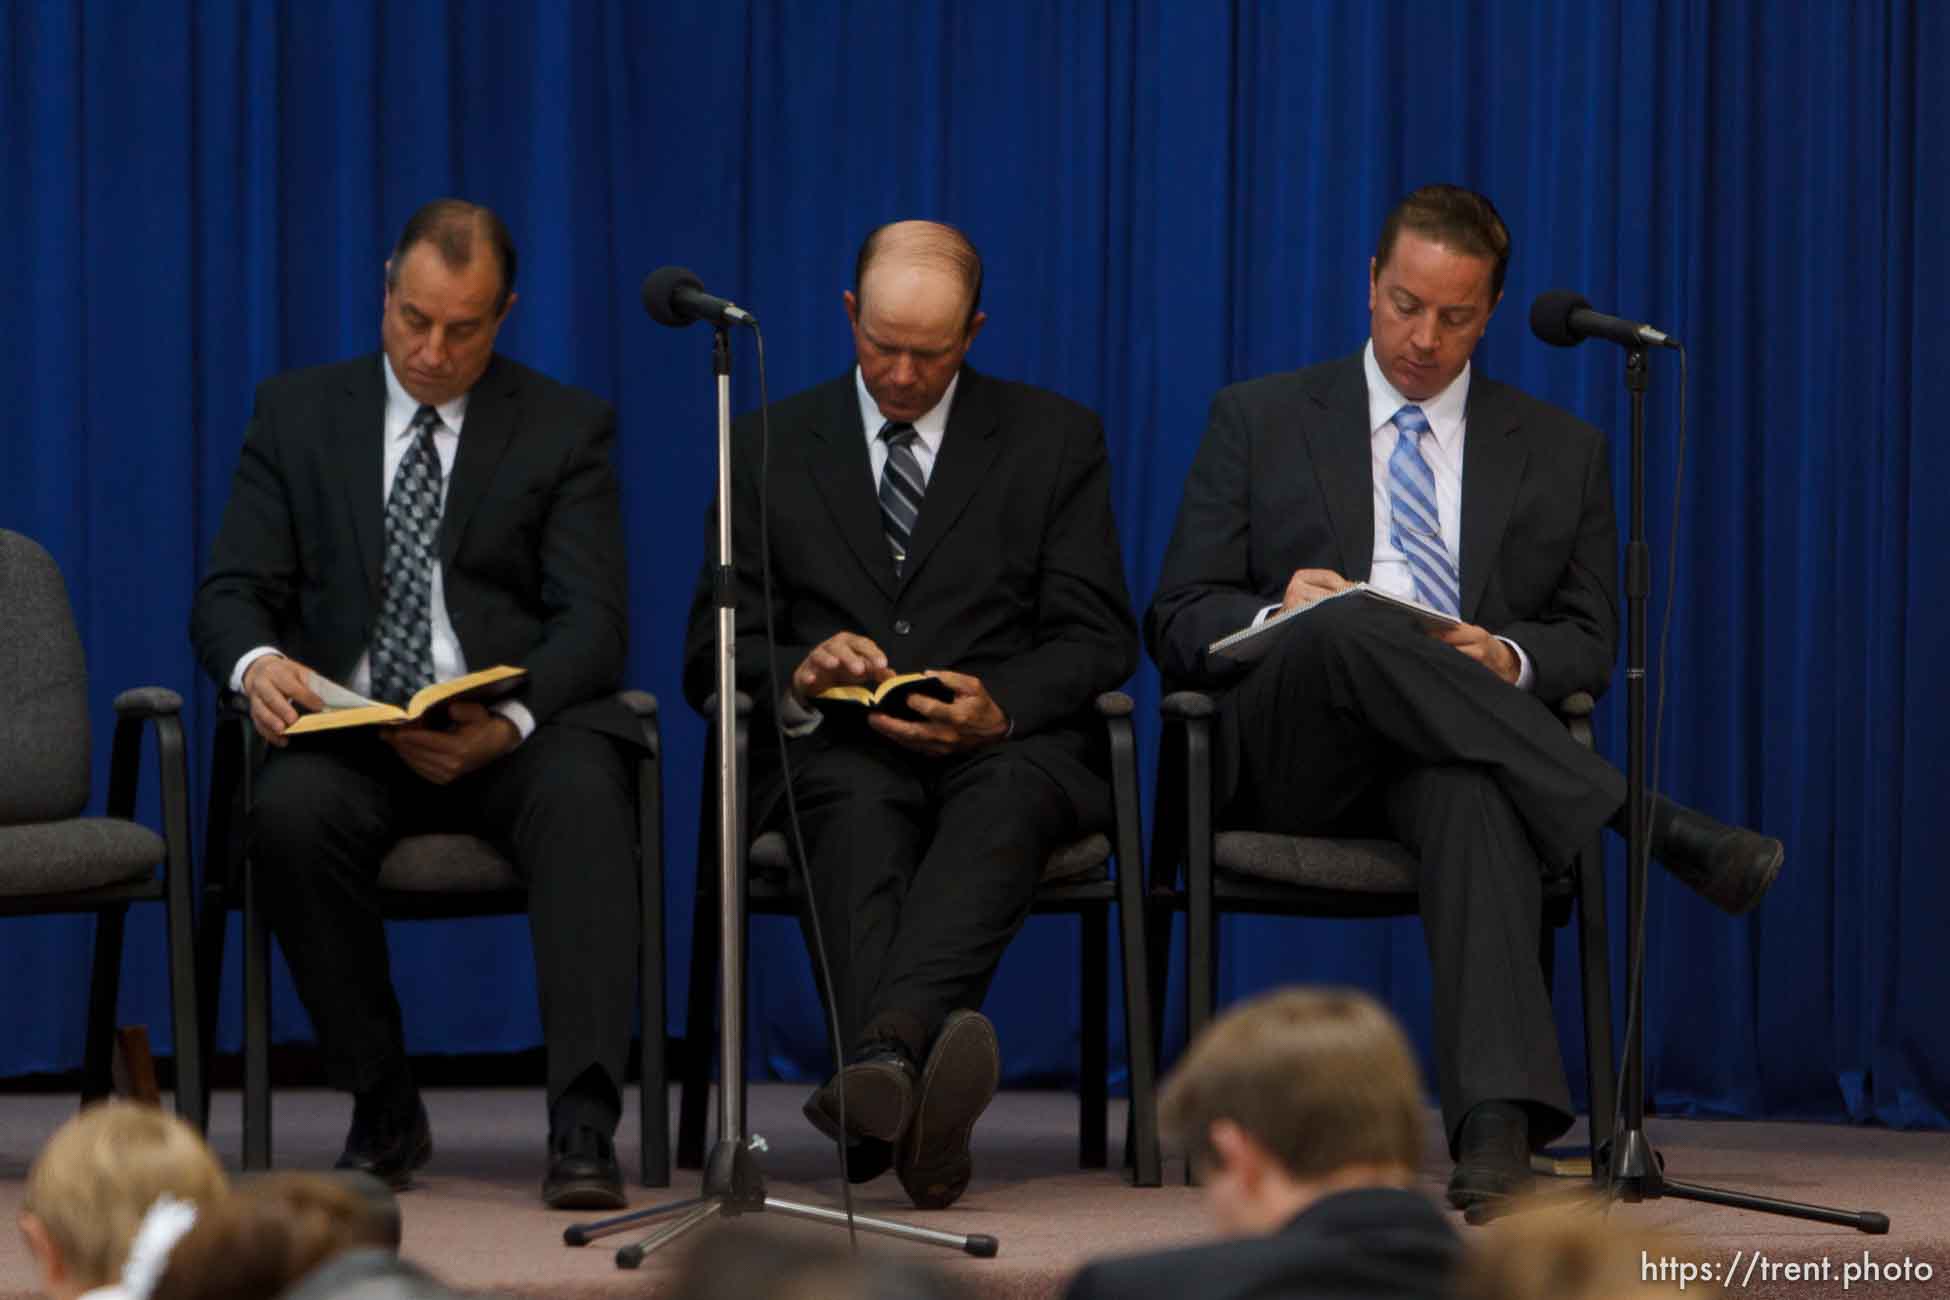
{"x": 1014, "y": 573}
{"x": 1284, "y": 481}
{"x": 531, "y": 540}
{"x": 1371, "y": 1244}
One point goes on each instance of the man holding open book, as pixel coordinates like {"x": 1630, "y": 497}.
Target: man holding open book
{"x": 1400, "y": 468}
{"x": 925, "y": 518}
{"x": 427, "y": 542}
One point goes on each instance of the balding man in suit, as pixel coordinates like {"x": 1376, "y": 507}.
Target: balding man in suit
{"x": 925, "y": 517}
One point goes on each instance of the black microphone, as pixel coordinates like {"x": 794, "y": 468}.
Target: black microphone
{"x": 1562, "y": 319}
{"x": 673, "y": 296}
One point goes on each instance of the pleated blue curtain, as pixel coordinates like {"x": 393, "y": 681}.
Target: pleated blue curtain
{"x": 1170, "y": 197}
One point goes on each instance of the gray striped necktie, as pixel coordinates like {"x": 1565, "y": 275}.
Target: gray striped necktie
{"x": 1414, "y": 522}
{"x": 402, "y": 636}
{"x": 901, "y": 488}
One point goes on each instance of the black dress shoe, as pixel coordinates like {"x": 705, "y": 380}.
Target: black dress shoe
{"x": 389, "y": 1139}
{"x": 879, "y": 1083}
{"x": 1729, "y": 866}
{"x": 964, "y": 1066}
{"x": 1492, "y": 1155}
{"x": 582, "y": 1172}
{"x": 867, "y": 1159}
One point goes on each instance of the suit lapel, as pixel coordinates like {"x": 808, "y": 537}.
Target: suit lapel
{"x": 967, "y": 450}
{"x": 1339, "y": 443}
{"x": 359, "y": 449}
{"x": 486, "y": 430}
{"x": 1493, "y": 463}
{"x": 840, "y": 468}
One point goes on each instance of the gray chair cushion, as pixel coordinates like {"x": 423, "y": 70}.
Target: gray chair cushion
{"x": 77, "y": 853}
{"x": 446, "y": 864}
{"x": 1357, "y": 866}
{"x": 43, "y": 690}
{"x": 1073, "y": 864}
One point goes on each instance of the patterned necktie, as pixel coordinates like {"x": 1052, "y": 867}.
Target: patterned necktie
{"x": 402, "y": 638}
{"x": 901, "y": 489}
{"x": 1414, "y": 522}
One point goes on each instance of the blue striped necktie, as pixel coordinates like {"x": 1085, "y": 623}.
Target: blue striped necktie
{"x": 901, "y": 488}
{"x": 1414, "y": 522}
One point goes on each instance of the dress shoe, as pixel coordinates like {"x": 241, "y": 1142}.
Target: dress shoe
{"x": 867, "y": 1159}
{"x": 1729, "y": 866}
{"x": 879, "y": 1085}
{"x": 390, "y": 1138}
{"x": 1492, "y": 1155}
{"x": 582, "y": 1171}
{"x": 964, "y": 1066}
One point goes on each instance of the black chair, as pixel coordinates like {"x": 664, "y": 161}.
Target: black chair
{"x": 1078, "y": 880}
{"x": 1237, "y": 869}
{"x": 423, "y": 877}
{"x": 52, "y": 859}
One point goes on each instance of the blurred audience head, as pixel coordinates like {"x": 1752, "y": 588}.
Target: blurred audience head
{"x": 754, "y": 1258}
{"x": 114, "y": 1172}
{"x": 1574, "y": 1254}
{"x": 269, "y": 1234}
{"x": 1290, "y": 1096}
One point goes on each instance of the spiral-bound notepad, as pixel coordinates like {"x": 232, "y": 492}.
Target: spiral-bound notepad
{"x": 1249, "y": 643}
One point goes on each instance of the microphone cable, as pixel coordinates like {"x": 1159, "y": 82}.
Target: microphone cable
{"x": 1635, "y": 960}
{"x": 797, "y": 836}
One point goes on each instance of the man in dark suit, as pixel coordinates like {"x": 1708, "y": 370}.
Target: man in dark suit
{"x": 405, "y": 518}
{"x": 1399, "y": 467}
{"x": 924, "y": 517}
{"x": 1302, "y": 1112}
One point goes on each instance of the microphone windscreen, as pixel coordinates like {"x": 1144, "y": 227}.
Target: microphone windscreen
{"x": 1550, "y": 317}
{"x": 660, "y": 291}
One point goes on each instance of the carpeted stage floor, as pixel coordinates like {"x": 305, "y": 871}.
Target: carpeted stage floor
{"x": 474, "y": 1217}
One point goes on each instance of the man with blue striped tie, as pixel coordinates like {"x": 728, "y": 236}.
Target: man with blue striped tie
{"x": 1401, "y": 467}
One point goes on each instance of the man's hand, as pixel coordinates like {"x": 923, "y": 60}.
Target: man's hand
{"x": 969, "y": 721}
{"x": 1484, "y": 648}
{"x": 475, "y": 739}
{"x": 1308, "y": 585}
{"x": 276, "y": 687}
{"x": 842, "y": 659}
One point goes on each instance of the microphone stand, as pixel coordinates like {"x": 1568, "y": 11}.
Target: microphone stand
{"x": 1631, "y": 1169}
{"x": 733, "y": 1183}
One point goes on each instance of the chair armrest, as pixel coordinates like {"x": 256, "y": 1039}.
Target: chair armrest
{"x": 1183, "y": 706}
{"x": 1578, "y": 704}
{"x": 148, "y": 702}
{"x": 1115, "y": 704}
{"x": 741, "y": 705}
{"x": 641, "y": 703}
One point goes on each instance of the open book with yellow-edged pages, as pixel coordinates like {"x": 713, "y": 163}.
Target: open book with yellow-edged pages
{"x": 346, "y": 708}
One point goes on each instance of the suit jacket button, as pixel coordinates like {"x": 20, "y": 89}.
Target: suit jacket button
{"x": 902, "y": 627}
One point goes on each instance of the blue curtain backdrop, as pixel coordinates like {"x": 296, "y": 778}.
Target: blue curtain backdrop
{"x": 1170, "y": 196}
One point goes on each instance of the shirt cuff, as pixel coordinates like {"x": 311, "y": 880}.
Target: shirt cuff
{"x": 796, "y": 717}
{"x": 1526, "y": 675}
{"x": 516, "y": 712}
{"x": 243, "y": 665}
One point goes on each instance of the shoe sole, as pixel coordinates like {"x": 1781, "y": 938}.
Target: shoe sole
{"x": 397, "y": 1179}
{"x": 960, "y": 1080}
{"x": 877, "y": 1103}
{"x": 584, "y": 1194}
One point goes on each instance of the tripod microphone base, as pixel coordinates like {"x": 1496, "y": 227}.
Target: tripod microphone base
{"x": 1637, "y": 1173}
{"x": 734, "y": 1185}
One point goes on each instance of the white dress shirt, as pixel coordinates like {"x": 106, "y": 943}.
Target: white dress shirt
{"x": 396, "y": 427}
{"x": 930, "y": 429}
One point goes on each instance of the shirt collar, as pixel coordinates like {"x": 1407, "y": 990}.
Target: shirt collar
{"x": 931, "y": 427}
{"x": 401, "y": 406}
{"x": 1444, "y": 411}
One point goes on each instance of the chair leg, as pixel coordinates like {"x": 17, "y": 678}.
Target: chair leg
{"x": 104, "y": 986}
{"x": 257, "y": 1029}
{"x": 1142, "y": 966}
{"x": 699, "y": 1036}
{"x": 1093, "y": 1090}
{"x": 653, "y": 1121}
{"x": 192, "y": 1093}
{"x": 1594, "y": 960}
{"x": 212, "y": 934}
